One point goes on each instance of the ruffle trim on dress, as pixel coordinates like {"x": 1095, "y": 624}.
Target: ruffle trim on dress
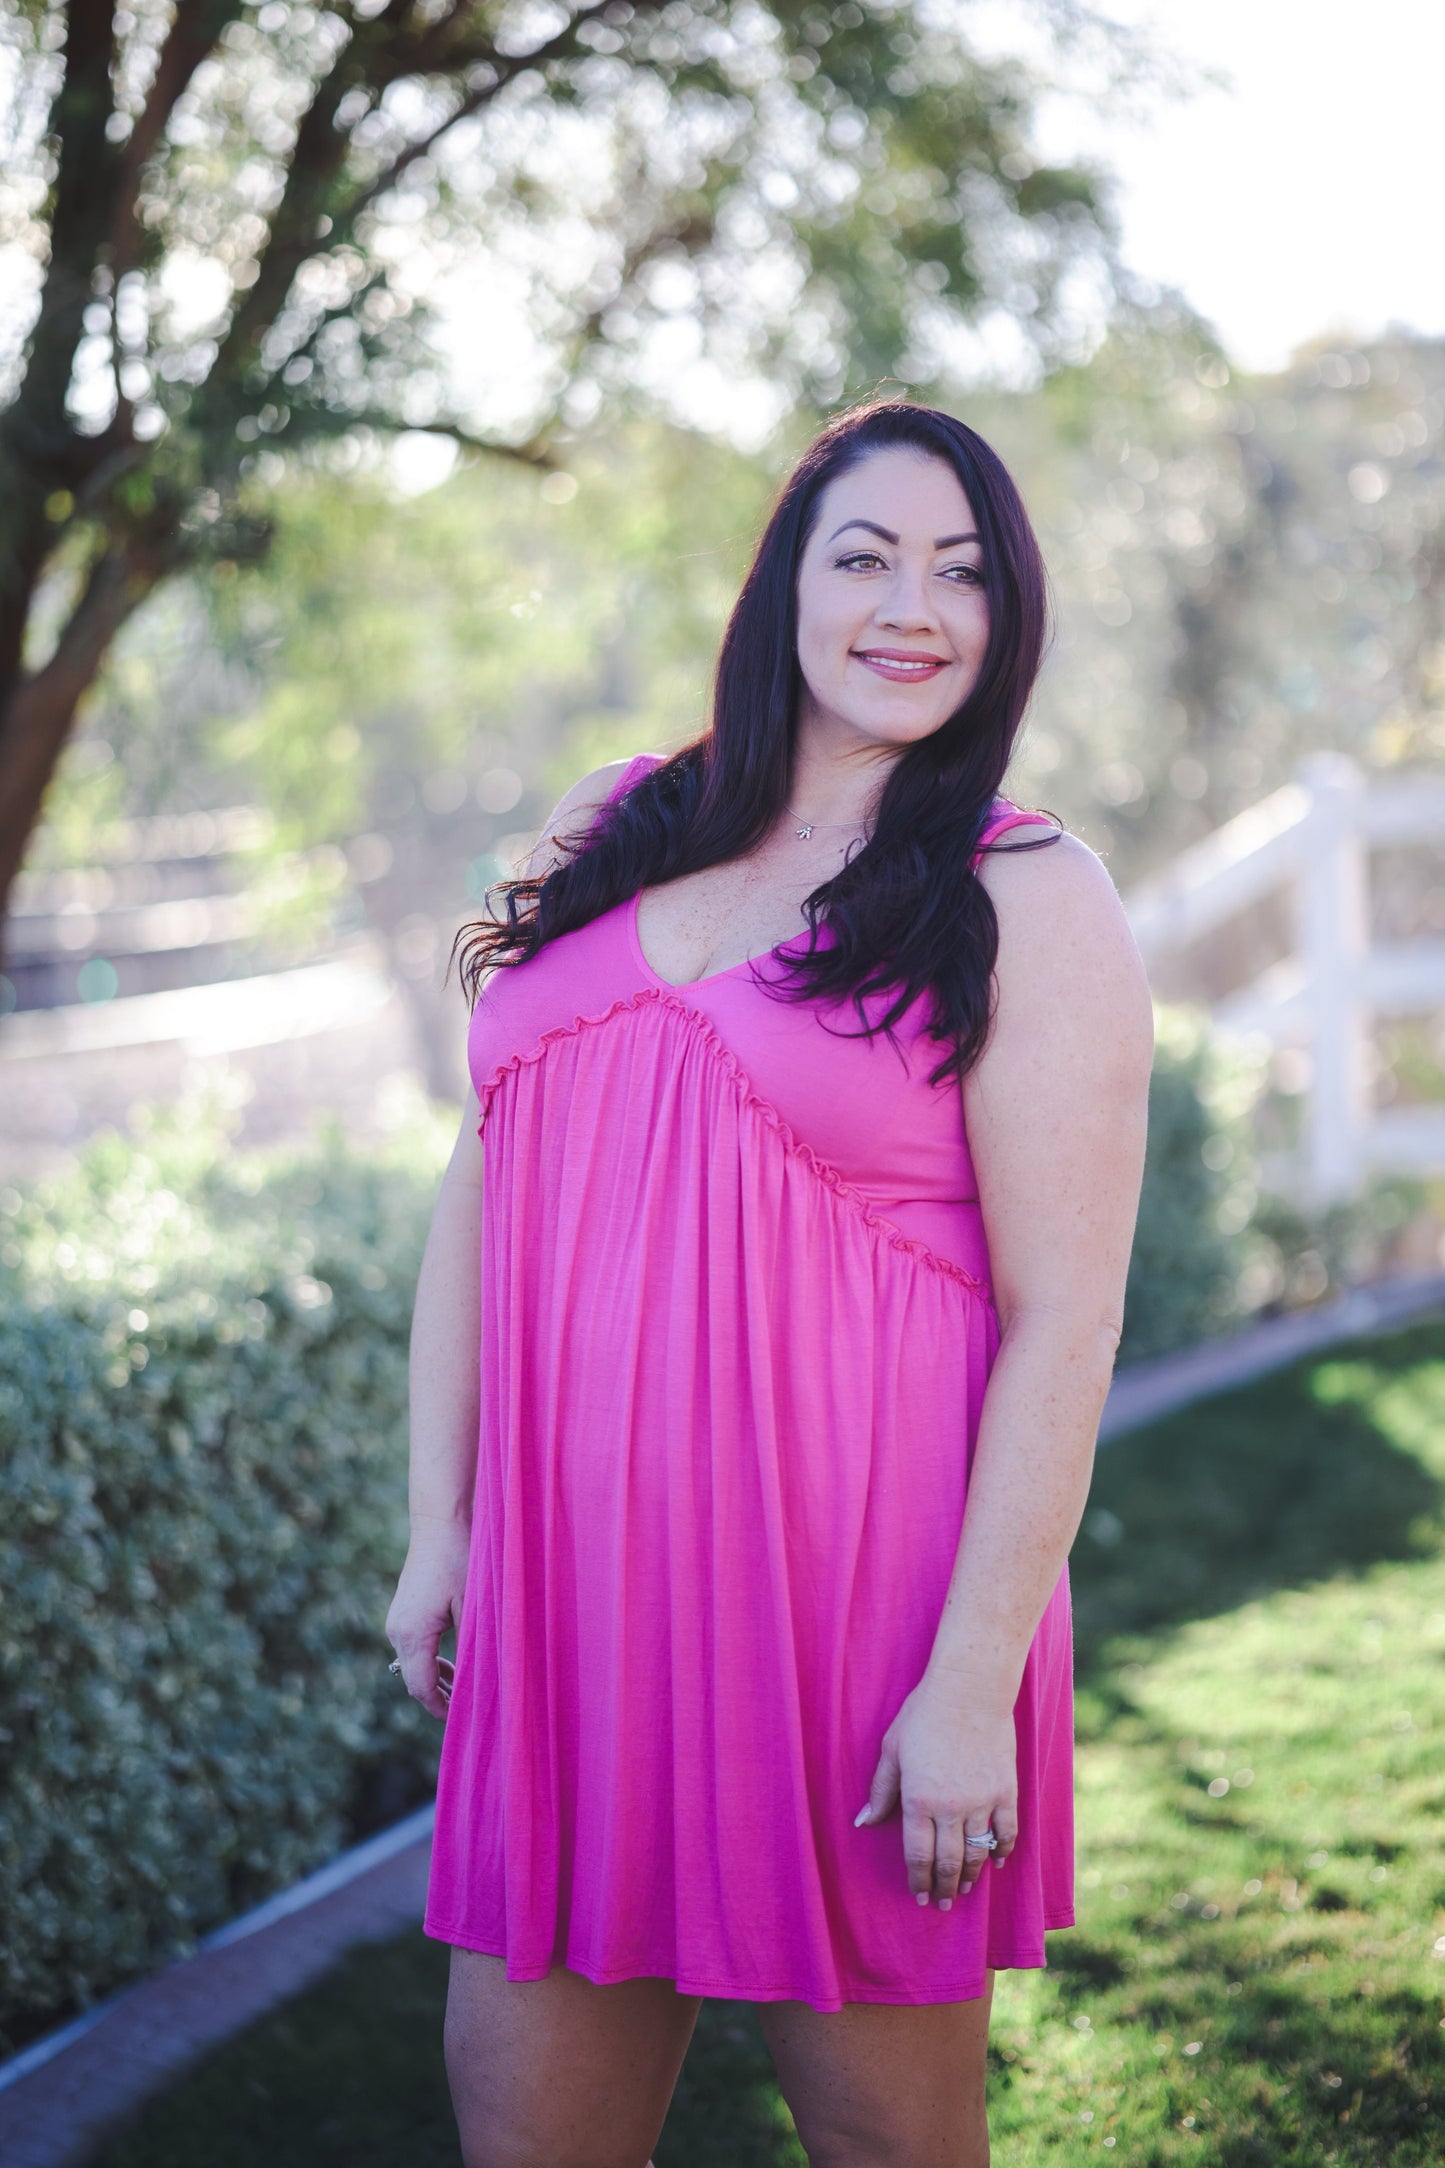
{"x": 668, "y": 997}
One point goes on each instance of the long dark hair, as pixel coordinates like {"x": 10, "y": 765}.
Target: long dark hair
{"x": 907, "y": 913}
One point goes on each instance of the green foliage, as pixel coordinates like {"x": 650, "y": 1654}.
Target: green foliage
{"x": 1214, "y": 571}
{"x": 393, "y": 645}
{"x": 1247, "y": 569}
{"x": 1186, "y": 1274}
{"x": 202, "y": 1514}
{"x": 1261, "y": 1622}
{"x": 1300, "y": 1255}
{"x": 1214, "y": 1248}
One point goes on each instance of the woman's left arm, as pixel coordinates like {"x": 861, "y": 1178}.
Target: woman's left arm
{"x": 1056, "y": 1111}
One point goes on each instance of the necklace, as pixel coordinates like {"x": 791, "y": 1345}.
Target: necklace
{"x": 805, "y": 828}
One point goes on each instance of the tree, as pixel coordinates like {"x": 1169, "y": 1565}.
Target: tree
{"x": 822, "y": 194}
{"x": 1247, "y": 568}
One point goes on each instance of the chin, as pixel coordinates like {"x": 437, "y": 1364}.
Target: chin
{"x": 902, "y": 730}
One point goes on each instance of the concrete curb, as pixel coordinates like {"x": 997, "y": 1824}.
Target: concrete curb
{"x": 65, "y": 2093}
{"x": 1151, "y": 1389}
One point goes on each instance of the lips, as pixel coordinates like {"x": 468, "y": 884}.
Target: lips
{"x": 898, "y": 665}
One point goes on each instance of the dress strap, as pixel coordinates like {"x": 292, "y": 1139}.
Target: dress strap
{"x": 1006, "y": 814}
{"x": 642, "y": 764}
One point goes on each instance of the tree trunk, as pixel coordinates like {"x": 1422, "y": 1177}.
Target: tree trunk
{"x": 37, "y": 718}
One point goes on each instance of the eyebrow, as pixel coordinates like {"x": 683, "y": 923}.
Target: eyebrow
{"x": 944, "y": 541}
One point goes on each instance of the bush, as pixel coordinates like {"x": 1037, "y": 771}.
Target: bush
{"x": 1188, "y": 1276}
{"x": 1214, "y": 1250}
{"x": 202, "y": 1514}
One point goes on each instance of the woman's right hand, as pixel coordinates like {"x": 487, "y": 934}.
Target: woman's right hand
{"x": 428, "y": 1600}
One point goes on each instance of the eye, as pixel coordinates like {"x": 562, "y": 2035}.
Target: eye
{"x": 863, "y": 560}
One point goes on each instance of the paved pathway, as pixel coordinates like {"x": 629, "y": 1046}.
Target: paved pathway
{"x": 61, "y": 2096}
{"x": 1151, "y": 1389}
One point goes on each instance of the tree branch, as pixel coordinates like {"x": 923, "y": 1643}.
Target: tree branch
{"x": 536, "y": 452}
{"x": 195, "y": 30}
{"x": 319, "y": 153}
{"x": 37, "y": 425}
{"x": 506, "y": 70}
{"x": 338, "y": 312}
{"x": 689, "y": 232}
{"x": 381, "y": 54}
{"x": 38, "y": 440}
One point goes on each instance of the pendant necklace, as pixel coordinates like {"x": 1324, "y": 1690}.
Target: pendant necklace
{"x": 805, "y": 828}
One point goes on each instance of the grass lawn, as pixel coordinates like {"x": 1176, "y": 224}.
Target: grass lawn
{"x": 1257, "y": 1979}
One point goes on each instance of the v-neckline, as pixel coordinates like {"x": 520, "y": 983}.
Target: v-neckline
{"x": 708, "y": 978}
{"x": 682, "y": 986}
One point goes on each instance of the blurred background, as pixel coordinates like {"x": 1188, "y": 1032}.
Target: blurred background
{"x": 370, "y": 479}
{"x": 388, "y": 432}
{"x": 390, "y": 397}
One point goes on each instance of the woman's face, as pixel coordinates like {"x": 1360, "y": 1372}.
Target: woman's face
{"x": 892, "y": 613}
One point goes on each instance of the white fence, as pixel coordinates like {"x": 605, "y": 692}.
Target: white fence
{"x": 1316, "y": 835}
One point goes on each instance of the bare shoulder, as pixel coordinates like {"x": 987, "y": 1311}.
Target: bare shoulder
{"x": 569, "y": 817}
{"x": 1061, "y": 873}
{"x": 589, "y": 792}
{"x": 1064, "y": 937}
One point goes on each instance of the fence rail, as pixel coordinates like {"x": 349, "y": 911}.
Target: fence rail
{"x": 1314, "y": 837}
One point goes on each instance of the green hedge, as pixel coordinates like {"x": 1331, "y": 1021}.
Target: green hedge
{"x": 202, "y": 1513}
{"x": 1190, "y": 1267}
{"x": 1214, "y": 1249}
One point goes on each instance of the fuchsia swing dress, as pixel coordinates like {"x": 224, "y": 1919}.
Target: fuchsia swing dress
{"x": 736, "y": 1328}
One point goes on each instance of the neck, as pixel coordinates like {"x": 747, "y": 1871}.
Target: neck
{"x": 836, "y": 781}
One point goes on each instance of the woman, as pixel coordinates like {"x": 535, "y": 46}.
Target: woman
{"x": 744, "y": 1698}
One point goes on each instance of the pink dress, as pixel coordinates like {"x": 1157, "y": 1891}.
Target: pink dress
{"x": 736, "y": 1328}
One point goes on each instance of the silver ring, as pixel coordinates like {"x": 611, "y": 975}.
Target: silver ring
{"x": 394, "y": 1667}
{"x": 988, "y": 1843}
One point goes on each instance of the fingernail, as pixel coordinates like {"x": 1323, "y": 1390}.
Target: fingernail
{"x": 945, "y": 1904}
{"x": 1000, "y": 1863}
{"x": 861, "y": 1817}
{"x": 923, "y": 1896}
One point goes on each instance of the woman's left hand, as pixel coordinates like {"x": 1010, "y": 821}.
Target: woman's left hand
{"x": 953, "y": 1771}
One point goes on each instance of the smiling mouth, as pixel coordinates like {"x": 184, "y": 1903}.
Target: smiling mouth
{"x": 900, "y": 666}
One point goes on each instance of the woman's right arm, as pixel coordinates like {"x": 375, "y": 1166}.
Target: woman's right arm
{"x": 445, "y": 1335}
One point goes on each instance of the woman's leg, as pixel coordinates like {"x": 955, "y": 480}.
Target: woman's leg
{"x": 880, "y": 2085}
{"x": 561, "y": 2073}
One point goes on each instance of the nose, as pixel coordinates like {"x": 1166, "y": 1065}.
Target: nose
{"x": 907, "y": 606}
